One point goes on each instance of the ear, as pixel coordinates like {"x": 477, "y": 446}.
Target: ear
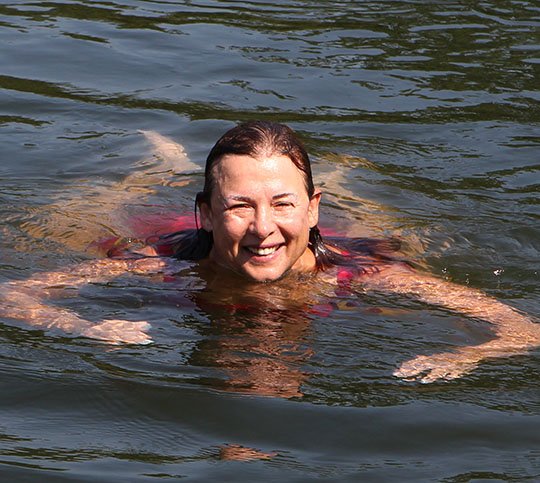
{"x": 313, "y": 208}
{"x": 206, "y": 217}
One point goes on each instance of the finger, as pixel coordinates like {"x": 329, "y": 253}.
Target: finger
{"x": 450, "y": 372}
{"x": 412, "y": 367}
{"x": 120, "y": 331}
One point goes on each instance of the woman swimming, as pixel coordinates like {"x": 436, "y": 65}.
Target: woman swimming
{"x": 259, "y": 214}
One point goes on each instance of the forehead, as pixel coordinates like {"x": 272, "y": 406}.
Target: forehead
{"x": 247, "y": 174}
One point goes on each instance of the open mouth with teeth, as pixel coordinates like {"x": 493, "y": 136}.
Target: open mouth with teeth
{"x": 263, "y": 251}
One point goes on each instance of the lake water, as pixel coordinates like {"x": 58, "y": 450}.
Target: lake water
{"x": 422, "y": 119}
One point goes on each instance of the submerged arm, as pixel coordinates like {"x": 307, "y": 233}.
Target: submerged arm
{"x": 24, "y": 300}
{"x": 515, "y": 333}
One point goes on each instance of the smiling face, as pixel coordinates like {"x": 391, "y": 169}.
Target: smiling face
{"x": 260, "y": 215}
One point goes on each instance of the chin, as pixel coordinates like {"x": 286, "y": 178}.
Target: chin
{"x": 264, "y": 276}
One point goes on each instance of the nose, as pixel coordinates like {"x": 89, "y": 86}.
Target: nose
{"x": 262, "y": 225}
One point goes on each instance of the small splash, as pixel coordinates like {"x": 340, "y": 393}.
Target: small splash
{"x": 498, "y": 272}
{"x": 444, "y": 272}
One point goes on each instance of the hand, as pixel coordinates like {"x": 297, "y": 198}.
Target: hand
{"x": 444, "y": 366}
{"x": 451, "y": 365}
{"x": 117, "y": 331}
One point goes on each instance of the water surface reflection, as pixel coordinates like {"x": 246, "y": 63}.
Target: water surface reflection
{"x": 422, "y": 121}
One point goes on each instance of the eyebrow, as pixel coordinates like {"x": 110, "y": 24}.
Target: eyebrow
{"x": 247, "y": 198}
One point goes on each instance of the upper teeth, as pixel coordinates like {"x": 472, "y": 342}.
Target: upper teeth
{"x": 262, "y": 251}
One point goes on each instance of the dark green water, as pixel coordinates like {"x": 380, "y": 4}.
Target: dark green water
{"x": 423, "y": 122}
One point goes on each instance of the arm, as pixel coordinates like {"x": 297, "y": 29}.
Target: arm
{"x": 515, "y": 333}
{"x": 24, "y": 300}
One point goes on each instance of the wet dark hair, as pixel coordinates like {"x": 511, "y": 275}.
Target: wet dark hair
{"x": 255, "y": 139}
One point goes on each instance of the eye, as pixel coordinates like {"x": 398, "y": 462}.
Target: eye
{"x": 283, "y": 204}
{"x": 240, "y": 206}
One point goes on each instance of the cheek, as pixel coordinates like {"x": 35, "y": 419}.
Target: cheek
{"x": 232, "y": 229}
{"x": 296, "y": 227}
